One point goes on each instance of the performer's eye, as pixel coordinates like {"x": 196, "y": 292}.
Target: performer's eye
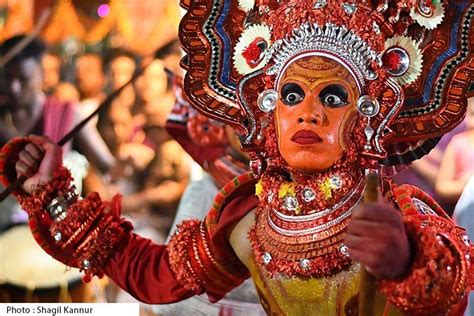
{"x": 292, "y": 94}
{"x": 334, "y": 96}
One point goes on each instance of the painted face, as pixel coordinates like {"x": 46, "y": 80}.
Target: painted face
{"x": 315, "y": 113}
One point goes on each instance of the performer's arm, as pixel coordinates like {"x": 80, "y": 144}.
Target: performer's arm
{"x": 439, "y": 275}
{"x": 90, "y": 234}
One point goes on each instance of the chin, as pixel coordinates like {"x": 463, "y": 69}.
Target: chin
{"x": 308, "y": 163}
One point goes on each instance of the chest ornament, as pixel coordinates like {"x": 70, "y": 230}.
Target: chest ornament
{"x": 300, "y": 225}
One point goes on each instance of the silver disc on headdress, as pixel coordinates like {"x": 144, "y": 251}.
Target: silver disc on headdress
{"x": 267, "y": 100}
{"x": 368, "y": 106}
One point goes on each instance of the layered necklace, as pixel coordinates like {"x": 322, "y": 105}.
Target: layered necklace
{"x": 301, "y": 220}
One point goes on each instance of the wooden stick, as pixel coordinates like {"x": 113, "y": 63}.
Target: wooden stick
{"x": 367, "y": 283}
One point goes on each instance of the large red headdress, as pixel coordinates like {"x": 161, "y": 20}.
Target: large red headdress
{"x": 412, "y": 60}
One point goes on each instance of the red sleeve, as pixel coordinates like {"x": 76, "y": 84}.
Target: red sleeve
{"x": 197, "y": 259}
{"x": 142, "y": 269}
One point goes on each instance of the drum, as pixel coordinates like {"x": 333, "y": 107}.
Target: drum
{"x": 30, "y": 275}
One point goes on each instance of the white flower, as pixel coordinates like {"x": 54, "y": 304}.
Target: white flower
{"x": 429, "y": 19}
{"x": 246, "y": 5}
{"x": 257, "y": 36}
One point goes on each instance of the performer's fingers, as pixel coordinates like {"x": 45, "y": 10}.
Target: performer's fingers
{"x": 376, "y": 212}
{"x": 354, "y": 242}
{"x": 359, "y": 243}
{"x": 45, "y": 143}
{"x": 28, "y": 160}
{"x": 362, "y": 227}
{"x": 52, "y": 153}
{"x": 22, "y": 169}
{"x": 357, "y": 254}
{"x": 368, "y": 260}
{"x": 35, "y": 151}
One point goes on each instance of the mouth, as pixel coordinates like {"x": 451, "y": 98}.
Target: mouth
{"x": 306, "y": 137}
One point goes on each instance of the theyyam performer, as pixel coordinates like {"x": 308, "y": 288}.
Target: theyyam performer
{"x": 321, "y": 92}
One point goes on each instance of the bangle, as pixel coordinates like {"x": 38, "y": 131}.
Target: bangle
{"x": 57, "y": 208}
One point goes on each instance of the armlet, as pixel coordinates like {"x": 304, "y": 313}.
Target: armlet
{"x": 199, "y": 265}
{"x": 439, "y": 276}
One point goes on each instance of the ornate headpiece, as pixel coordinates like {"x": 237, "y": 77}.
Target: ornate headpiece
{"x": 204, "y": 139}
{"x": 412, "y": 60}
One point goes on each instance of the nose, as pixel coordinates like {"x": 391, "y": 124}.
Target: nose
{"x": 15, "y": 87}
{"x": 312, "y": 112}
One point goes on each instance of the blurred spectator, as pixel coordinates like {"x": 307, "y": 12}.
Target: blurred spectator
{"x": 67, "y": 92}
{"x": 52, "y": 84}
{"x": 52, "y": 72}
{"x": 122, "y": 67}
{"x": 422, "y": 172}
{"x": 90, "y": 80}
{"x": 172, "y": 62}
{"x": 126, "y": 140}
{"x": 464, "y": 217}
{"x": 158, "y": 166}
{"x": 457, "y": 166}
{"x": 30, "y": 111}
{"x": 158, "y": 184}
{"x": 171, "y": 55}
{"x": 155, "y": 98}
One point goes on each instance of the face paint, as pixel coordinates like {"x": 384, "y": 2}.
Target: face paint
{"x": 315, "y": 113}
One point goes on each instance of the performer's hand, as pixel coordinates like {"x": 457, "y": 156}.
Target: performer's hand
{"x": 376, "y": 237}
{"x": 38, "y": 161}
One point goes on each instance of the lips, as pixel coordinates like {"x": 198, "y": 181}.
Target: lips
{"x": 306, "y": 137}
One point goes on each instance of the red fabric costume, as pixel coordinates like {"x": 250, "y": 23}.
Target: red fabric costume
{"x": 402, "y": 70}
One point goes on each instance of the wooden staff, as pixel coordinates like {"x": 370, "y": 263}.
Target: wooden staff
{"x": 367, "y": 283}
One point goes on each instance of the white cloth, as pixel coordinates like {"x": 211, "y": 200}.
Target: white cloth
{"x": 78, "y": 166}
{"x": 196, "y": 201}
